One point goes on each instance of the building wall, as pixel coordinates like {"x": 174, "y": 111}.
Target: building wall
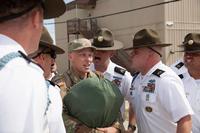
{"x": 172, "y": 21}
{"x": 182, "y": 17}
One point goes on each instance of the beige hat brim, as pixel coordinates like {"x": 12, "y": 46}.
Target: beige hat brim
{"x": 117, "y": 45}
{"x": 83, "y": 47}
{"x": 54, "y": 8}
{"x": 53, "y": 47}
{"x": 149, "y": 45}
{"x": 50, "y": 46}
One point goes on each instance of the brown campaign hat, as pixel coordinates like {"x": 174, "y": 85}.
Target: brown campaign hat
{"x": 104, "y": 40}
{"x": 147, "y": 38}
{"x": 46, "y": 45}
{"x": 10, "y": 9}
{"x": 79, "y": 44}
{"x": 191, "y": 43}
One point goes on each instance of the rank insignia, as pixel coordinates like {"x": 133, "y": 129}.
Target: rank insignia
{"x": 119, "y": 70}
{"x": 148, "y": 109}
{"x": 179, "y": 65}
{"x": 158, "y": 72}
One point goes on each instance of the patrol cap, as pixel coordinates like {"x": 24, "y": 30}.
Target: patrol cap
{"x": 79, "y": 44}
{"x": 191, "y": 43}
{"x": 147, "y": 38}
{"x": 104, "y": 40}
{"x": 46, "y": 46}
{"x": 10, "y": 9}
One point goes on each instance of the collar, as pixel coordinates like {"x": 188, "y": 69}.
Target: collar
{"x": 156, "y": 66}
{"x": 74, "y": 75}
{"x": 9, "y": 45}
{"x": 110, "y": 68}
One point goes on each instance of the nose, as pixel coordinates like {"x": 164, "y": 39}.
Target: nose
{"x": 52, "y": 61}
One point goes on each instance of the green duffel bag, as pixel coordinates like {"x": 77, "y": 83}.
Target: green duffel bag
{"x": 94, "y": 101}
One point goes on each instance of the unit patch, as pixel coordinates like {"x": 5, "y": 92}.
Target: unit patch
{"x": 117, "y": 80}
{"x": 150, "y": 86}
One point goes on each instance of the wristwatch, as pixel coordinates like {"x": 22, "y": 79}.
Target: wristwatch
{"x": 132, "y": 127}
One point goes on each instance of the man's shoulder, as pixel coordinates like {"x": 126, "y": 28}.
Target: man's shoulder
{"x": 119, "y": 69}
{"x": 163, "y": 72}
{"x": 95, "y": 74}
{"x": 178, "y": 67}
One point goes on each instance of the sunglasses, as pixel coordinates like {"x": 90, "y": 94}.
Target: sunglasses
{"x": 52, "y": 54}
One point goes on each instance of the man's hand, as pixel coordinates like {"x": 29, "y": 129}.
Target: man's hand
{"x": 80, "y": 128}
{"x": 108, "y": 130}
{"x": 184, "y": 125}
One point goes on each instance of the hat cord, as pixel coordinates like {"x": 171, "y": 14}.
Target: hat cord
{"x": 155, "y": 51}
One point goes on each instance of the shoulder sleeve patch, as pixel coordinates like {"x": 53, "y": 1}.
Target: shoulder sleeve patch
{"x": 158, "y": 72}
{"x": 119, "y": 70}
{"x": 179, "y": 65}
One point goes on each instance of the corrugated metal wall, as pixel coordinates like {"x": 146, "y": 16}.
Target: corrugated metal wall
{"x": 181, "y": 18}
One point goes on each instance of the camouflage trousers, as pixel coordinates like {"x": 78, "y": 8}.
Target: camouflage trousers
{"x": 73, "y": 126}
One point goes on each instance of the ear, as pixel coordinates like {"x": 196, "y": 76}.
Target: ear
{"x": 112, "y": 53}
{"x": 37, "y": 19}
{"x": 70, "y": 56}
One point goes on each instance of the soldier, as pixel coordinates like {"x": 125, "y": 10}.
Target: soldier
{"x": 22, "y": 86}
{"x": 157, "y": 93}
{"x": 188, "y": 70}
{"x": 80, "y": 57}
{"x": 45, "y": 56}
{"x": 105, "y": 46}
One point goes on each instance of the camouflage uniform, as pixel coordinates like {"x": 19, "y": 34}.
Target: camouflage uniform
{"x": 65, "y": 82}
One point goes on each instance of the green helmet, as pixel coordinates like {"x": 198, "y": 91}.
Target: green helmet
{"x": 95, "y": 102}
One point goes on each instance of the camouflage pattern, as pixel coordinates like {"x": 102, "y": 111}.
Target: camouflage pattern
{"x": 65, "y": 82}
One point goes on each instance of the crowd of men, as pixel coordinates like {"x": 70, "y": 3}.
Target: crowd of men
{"x": 33, "y": 96}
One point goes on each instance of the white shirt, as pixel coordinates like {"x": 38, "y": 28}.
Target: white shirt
{"x": 54, "y": 114}
{"x": 158, "y": 102}
{"x": 23, "y": 93}
{"x": 192, "y": 90}
{"x": 123, "y": 80}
